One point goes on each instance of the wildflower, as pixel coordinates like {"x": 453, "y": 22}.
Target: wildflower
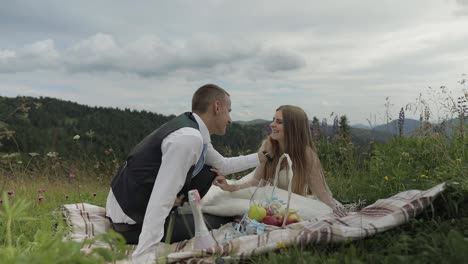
{"x": 1, "y": 201}
{"x": 52, "y": 154}
{"x": 315, "y": 128}
{"x": 40, "y": 197}
{"x": 76, "y": 137}
{"x": 33, "y": 154}
{"x": 401, "y": 121}
{"x": 71, "y": 175}
{"x": 280, "y": 244}
{"x": 11, "y": 192}
{"x": 94, "y": 194}
{"x": 386, "y": 177}
{"x": 335, "y": 125}
{"x": 427, "y": 113}
{"x": 90, "y": 133}
{"x": 41, "y": 191}
{"x": 10, "y": 156}
{"x": 324, "y": 127}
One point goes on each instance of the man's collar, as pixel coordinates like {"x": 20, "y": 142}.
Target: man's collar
{"x": 203, "y": 129}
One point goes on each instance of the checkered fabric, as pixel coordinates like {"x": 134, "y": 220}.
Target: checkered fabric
{"x": 87, "y": 221}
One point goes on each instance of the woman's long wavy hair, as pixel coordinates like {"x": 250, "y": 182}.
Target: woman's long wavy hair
{"x": 297, "y": 138}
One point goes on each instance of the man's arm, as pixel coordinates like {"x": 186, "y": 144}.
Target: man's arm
{"x": 179, "y": 152}
{"x": 235, "y": 164}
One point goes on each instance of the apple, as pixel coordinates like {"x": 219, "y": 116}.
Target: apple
{"x": 268, "y": 211}
{"x": 257, "y": 212}
{"x": 293, "y": 218}
{"x": 291, "y": 211}
{"x": 276, "y": 220}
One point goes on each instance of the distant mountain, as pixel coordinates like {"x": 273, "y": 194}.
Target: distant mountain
{"x": 409, "y": 126}
{"x": 362, "y": 126}
{"x": 412, "y": 127}
{"x": 253, "y": 122}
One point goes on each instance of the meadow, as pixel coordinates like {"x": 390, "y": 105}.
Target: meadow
{"x": 32, "y": 187}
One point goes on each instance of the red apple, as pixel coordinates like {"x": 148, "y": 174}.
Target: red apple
{"x": 268, "y": 211}
{"x": 276, "y": 220}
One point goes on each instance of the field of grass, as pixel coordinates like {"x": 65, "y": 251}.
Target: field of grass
{"x": 32, "y": 187}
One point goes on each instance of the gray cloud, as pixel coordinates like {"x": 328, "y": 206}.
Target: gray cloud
{"x": 282, "y": 60}
{"x": 146, "y": 56}
{"x": 344, "y": 56}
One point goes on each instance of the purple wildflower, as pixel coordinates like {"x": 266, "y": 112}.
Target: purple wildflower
{"x": 1, "y": 201}
{"x": 40, "y": 197}
{"x": 335, "y": 125}
{"x": 41, "y": 191}
{"x": 401, "y": 121}
{"x": 315, "y": 128}
{"x": 324, "y": 127}
{"x": 94, "y": 194}
{"x": 11, "y": 192}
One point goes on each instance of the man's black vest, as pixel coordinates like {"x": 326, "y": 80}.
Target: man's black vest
{"x": 133, "y": 183}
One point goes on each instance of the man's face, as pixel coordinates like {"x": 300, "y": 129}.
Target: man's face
{"x": 223, "y": 116}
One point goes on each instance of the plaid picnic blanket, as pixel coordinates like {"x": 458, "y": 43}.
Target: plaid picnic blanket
{"x": 87, "y": 221}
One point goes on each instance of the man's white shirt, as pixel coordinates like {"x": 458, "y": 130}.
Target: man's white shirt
{"x": 180, "y": 150}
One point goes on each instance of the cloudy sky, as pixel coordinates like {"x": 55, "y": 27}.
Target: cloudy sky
{"x": 345, "y": 57}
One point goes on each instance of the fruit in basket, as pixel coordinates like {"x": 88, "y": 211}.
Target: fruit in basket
{"x": 268, "y": 211}
{"x": 291, "y": 211}
{"x": 257, "y": 212}
{"x": 276, "y": 220}
{"x": 293, "y": 218}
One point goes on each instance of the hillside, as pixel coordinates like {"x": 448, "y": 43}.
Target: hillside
{"x": 45, "y": 125}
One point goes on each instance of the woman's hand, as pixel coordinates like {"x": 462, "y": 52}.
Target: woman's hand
{"x": 265, "y": 148}
{"x": 221, "y": 182}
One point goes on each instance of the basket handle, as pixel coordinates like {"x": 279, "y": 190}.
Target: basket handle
{"x": 288, "y": 173}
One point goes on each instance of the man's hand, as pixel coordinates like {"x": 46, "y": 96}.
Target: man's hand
{"x": 221, "y": 182}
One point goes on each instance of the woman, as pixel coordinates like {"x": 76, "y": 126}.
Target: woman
{"x": 290, "y": 133}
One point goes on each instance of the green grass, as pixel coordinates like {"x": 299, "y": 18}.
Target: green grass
{"x": 439, "y": 235}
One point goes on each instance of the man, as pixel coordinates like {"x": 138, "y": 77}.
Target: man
{"x": 166, "y": 165}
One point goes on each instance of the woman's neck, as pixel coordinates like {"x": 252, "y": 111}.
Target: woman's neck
{"x": 281, "y": 146}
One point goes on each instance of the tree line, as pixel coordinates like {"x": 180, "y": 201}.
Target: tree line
{"x": 47, "y": 125}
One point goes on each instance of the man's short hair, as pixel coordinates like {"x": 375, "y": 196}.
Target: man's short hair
{"x": 205, "y": 96}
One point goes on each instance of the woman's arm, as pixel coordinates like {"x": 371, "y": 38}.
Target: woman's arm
{"x": 221, "y": 182}
{"x": 317, "y": 183}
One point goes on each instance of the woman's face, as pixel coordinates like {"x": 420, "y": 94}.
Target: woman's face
{"x": 277, "y": 131}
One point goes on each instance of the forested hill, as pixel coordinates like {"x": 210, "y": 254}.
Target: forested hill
{"x": 43, "y": 125}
